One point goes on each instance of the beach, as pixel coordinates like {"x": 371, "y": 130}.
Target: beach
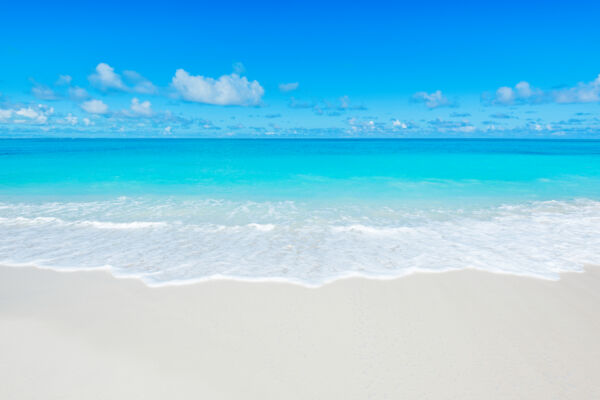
{"x": 454, "y": 335}
{"x": 186, "y": 269}
{"x": 300, "y": 201}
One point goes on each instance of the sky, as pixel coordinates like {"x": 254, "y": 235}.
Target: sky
{"x": 430, "y": 69}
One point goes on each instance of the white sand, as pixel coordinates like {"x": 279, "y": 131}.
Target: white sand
{"x": 457, "y": 335}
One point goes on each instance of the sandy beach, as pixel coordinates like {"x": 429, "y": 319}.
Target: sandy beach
{"x": 322, "y": 200}
{"x": 454, "y": 335}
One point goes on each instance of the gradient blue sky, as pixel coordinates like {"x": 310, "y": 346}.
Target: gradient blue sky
{"x": 305, "y": 69}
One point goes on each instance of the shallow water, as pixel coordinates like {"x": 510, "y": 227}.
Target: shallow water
{"x": 309, "y": 211}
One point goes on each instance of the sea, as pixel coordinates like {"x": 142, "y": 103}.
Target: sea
{"x": 177, "y": 211}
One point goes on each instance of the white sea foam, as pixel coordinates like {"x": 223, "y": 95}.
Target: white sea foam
{"x": 174, "y": 241}
{"x": 95, "y": 224}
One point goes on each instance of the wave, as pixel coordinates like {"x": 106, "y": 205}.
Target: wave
{"x": 94, "y": 224}
{"x": 175, "y": 241}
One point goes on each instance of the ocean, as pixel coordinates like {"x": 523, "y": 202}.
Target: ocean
{"x": 174, "y": 211}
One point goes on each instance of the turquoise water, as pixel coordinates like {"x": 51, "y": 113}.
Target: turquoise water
{"x": 170, "y": 211}
{"x": 308, "y": 169}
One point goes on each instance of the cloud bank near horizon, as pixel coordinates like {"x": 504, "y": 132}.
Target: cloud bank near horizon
{"x": 119, "y": 101}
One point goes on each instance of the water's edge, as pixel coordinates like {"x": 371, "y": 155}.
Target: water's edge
{"x": 281, "y": 281}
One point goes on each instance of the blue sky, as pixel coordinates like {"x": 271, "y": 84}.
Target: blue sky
{"x": 302, "y": 69}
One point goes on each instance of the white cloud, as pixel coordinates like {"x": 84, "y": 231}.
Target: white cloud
{"x": 345, "y": 104}
{"x": 37, "y": 115}
{"x": 95, "y": 106}
{"x": 364, "y": 126}
{"x": 432, "y": 100}
{"x": 63, "y": 80}
{"x": 505, "y": 95}
{"x": 27, "y": 112}
{"x": 288, "y": 87}
{"x": 523, "y": 93}
{"x": 227, "y": 90}
{"x": 5, "y": 114}
{"x": 87, "y": 122}
{"x": 445, "y": 126}
{"x": 582, "y": 93}
{"x": 466, "y": 129}
{"x": 540, "y": 127}
{"x": 140, "y": 84}
{"x": 143, "y": 108}
{"x": 399, "y": 124}
{"x": 43, "y": 92}
{"x": 524, "y": 90}
{"x": 145, "y": 87}
{"x": 78, "y": 94}
{"x": 105, "y": 78}
{"x": 167, "y": 130}
{"x": 70, "y": 119}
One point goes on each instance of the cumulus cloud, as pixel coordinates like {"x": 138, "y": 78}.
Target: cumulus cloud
{"x": 5, "y": 114}
{"x": 505, "y": 95}
{"x": 33, "y": 114}
{"x": 139, "y": 83}
{"x": 226, "y": 90}
{"x": 27, "y": 112}
{"x": 94, "y": 106}
{"x": 432, "y": 100}
{"x": 43, "y": 92}
{"x": 36, "y": 115}
{"x": 105, "y": 78}
{"x": 524, "y": 90}
{"x": 141, "y": 108}
{"x": 524, "y": 93}
{"x": 582, "y": 93}
{"x": 288, "y": 87}
{"x": 70, "y": 119}
{"x": 399, "y": 124}
{"x": 78, "y": 94}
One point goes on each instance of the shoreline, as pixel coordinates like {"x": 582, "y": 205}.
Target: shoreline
{"x": 284, "y": 281}
{"x": 461, "y": 334}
